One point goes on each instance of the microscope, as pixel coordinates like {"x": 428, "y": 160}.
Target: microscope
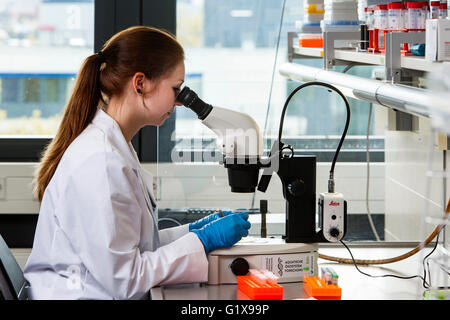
{"x": 295, "y": 254}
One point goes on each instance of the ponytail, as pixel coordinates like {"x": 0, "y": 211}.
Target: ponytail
{"x": 79, "y": 112}
{"x": 137, "y": 49}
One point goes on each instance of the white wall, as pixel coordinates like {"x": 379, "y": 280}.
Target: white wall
{"x": 206, "y": 185}
{"x": 406, "y": 157}
{"x": 16, "y": 194}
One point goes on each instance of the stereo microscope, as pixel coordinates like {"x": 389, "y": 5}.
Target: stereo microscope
{"x": 295, "y": 254}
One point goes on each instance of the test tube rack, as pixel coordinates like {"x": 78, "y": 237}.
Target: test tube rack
{"x": 317, "y": 288}
{"x": 259, "y": 291}
{"x": 377, "y": 40}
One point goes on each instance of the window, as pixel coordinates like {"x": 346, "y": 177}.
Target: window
{"x": 233, "y": 51}
{"x": 231, "y": 48}
{"x": 31, "y": 90}
{"x": 9, "y": 89}
{"x": 42, "y": 46}
{"x": 52, "y": 89}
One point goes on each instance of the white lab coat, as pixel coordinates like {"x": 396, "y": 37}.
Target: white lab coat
{"x": 97, "y": 236}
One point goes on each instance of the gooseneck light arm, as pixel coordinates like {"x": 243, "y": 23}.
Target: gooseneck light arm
{"x": 347, "y": 122}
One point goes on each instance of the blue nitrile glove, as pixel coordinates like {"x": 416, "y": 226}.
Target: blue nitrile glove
{"x": 212, "y": 217}
{"x": 224, "y": 232}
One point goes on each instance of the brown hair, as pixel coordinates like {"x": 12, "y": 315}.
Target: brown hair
{"x": 148, "y": 50}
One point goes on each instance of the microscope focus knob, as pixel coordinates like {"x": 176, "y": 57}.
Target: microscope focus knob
{"x": 296, "y": 188}
{"x": 239, "y": 267}
{"x": 334, "y": 232}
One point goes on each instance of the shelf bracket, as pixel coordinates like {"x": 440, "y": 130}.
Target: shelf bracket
{"x": 402, "y": 121}
{"x": 329, "y": 37}
{"x": 443, "y": 141}
{"x": 393, "y": 42}
{"x": 291, "y": 37}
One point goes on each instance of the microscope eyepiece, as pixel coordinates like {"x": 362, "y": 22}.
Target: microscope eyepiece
{"x": 190, "y": 99}
{"x": 243, "y": 170}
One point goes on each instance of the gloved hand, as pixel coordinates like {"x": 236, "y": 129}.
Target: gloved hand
{"x": 201, "y": 222}
{"x": 224, "y": 232}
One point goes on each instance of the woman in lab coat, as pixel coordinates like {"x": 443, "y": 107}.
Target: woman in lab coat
{"x": 97, "y": 235}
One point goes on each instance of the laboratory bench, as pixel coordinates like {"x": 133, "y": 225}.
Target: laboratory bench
{"x": 354, "y": 285}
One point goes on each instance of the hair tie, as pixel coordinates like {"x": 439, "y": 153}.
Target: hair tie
{"x": 102, "y": 56}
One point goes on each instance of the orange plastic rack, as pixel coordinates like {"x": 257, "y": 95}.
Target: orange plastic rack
{"x": 258, "y": 291}
{"x": 311, "y": 43}
{"x": 317, "y": 288}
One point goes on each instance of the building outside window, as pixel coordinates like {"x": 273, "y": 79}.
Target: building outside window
{"x": 42, "y": 46}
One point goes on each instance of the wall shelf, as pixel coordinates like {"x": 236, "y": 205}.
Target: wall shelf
{"x": 347, "y": 56}
{"x": 398, "y": 69}
{"x": 391, "y": 60}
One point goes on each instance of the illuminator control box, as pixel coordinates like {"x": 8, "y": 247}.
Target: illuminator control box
{"x": 332, "y": 215}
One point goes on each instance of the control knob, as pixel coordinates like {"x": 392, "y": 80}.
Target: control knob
{"x": 334, "y": 232}
{"x": 239, "y": 267}
{"x": 296, "y": 188}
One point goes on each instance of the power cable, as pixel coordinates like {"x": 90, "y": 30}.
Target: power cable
{"x": 369, "y": 215}
{"x": 425, "y": 284}
{"x": 398, "y": 258}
